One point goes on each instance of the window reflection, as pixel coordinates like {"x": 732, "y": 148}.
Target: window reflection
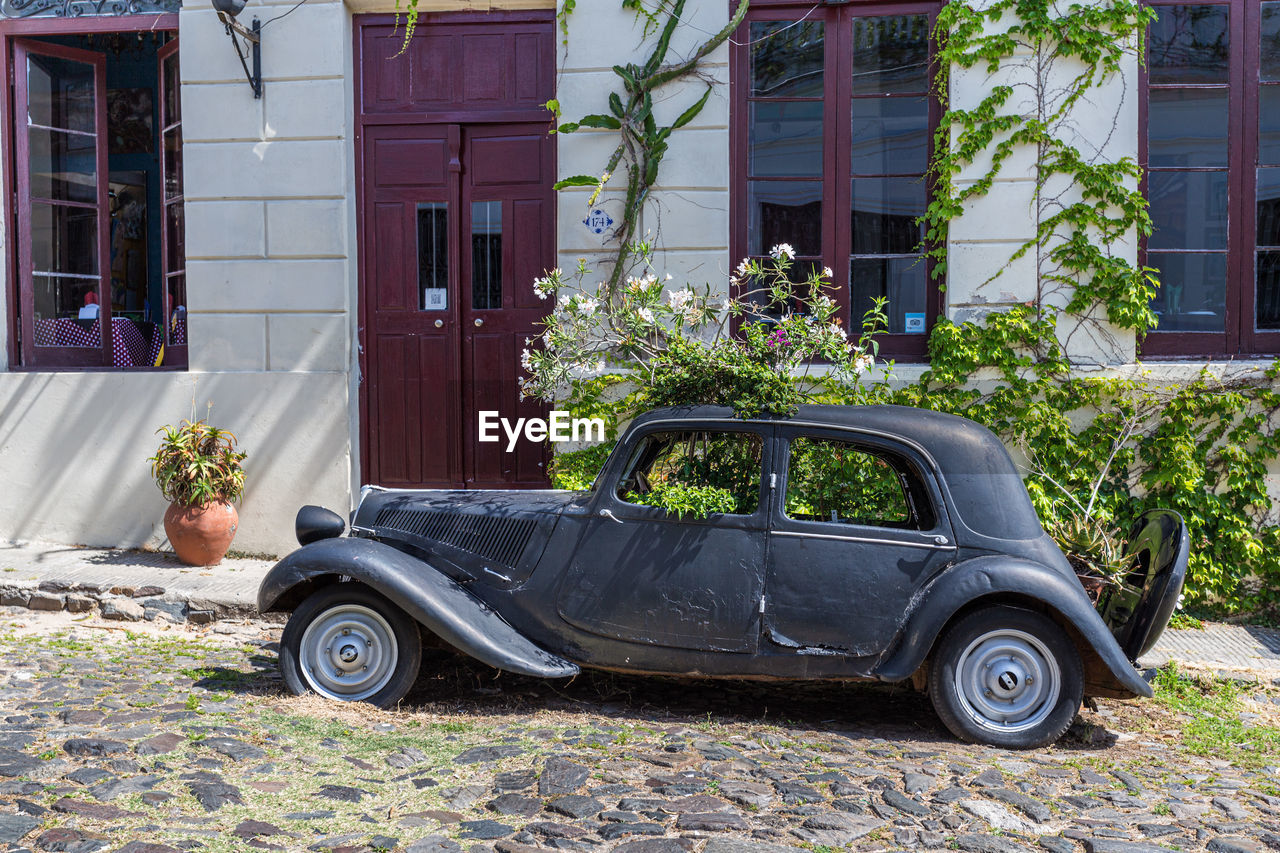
{"x": 433, "y": 256}
{"x": 1189, "y": 44}
{"x": 787, "y": 59}
{"x": 486, "y": 254}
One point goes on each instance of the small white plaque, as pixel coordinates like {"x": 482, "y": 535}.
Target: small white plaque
{"x": 914, "y": 323}
{"x": 435, "y": 299}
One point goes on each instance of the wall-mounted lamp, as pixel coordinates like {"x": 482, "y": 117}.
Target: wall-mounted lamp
{"x": 227, "y": 11}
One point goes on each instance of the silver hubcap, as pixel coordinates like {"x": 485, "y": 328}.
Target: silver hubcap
{"x": 1008, "y": 681}
{"x": 348, "y": 652}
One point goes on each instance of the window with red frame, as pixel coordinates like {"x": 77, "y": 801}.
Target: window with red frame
{"x": 1211, "y": 145}
{"x": 832, "y": 132}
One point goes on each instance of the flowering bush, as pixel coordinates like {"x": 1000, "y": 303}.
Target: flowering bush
{"x": 753, "y": 350}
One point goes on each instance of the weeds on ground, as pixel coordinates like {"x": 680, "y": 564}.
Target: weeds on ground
{"x": 1214, "y": 727}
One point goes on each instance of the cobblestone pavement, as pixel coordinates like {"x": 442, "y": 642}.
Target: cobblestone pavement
{"x": 158, "y": 738}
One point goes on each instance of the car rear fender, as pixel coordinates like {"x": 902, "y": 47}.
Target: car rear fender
{"x": 993, "y": 577}
{"x": 444, "y": 607}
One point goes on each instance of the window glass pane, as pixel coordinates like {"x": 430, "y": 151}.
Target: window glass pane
{"x": 785, "y": 139}
{"x": 1270, "y": 38}
{"x": 173, "y": 163}
{"x": 178, "y": 310}
{"x": 175, "y": 233}
{"x": 1192, "y": 292}
{"x": 64, "y": 239}
{"x": 1189, "y": 44}
{"x": 486, "y": 254}
{"x": 172, "y": 98}
{"x": 1269, "y": 125}
{"x": 884, "y": 215}
{"x": 1187, "y": 127}
{"x": 835, "y": 481}
{"x": 60, "y": 93}
{"x": 1268, "y": 305}
{"x": 784, "y": 212}
{"x": 58, "y": 304}
{"x": 891, "y": 54}
{"x": 433, "y": 256}
{"x": 63, "y": 166}
{"x": 716, "y": 469}
{"x": 1269, "y": 207}
{"x": 1188, "y": 210}
{"x": 890, "y": 136}
{"x": 904, "y": 281}
{"x": 786, "y": 59}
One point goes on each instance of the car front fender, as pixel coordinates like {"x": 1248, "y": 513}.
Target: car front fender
{"x": 991, "y": 577}
{"x": 444, "y": 607}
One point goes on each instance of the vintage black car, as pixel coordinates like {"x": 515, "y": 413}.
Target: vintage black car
{"x": 841, "y": 543}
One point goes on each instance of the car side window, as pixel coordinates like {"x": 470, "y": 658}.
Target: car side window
{"x": 837, "y": 481}
{"x": 695, "y": 472}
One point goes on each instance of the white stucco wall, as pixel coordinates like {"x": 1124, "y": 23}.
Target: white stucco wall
{"x": 687, "y": 217}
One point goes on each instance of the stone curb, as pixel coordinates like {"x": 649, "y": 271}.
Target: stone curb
{"x": 127, "y": 603}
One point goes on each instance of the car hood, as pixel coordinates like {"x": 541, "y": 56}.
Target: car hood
{"x": 488, "y": 535}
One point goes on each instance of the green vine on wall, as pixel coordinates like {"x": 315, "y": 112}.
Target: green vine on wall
{"x": 642, "y": 141}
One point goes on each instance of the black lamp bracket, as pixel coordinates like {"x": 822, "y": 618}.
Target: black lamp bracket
{"x": 252, "y": 35}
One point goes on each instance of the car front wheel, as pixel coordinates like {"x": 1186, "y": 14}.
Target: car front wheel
{"x": 348, "y": 642}
{"x": 1008, "y": 677}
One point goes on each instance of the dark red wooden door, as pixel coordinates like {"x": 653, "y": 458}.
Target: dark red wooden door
{"x": 458, "y": 223}
{"x": 457, "y": 219}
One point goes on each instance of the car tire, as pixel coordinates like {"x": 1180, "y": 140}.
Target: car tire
{"x": 350, "y": 643}
{"x": 1008, "y": 677}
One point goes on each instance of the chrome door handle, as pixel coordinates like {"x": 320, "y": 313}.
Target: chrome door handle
{"x": 439, "y": 324}
{"x": 608, "y": 513}
{"x": 479, "y": 322}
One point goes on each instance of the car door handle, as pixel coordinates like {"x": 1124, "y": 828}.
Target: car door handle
{"x": 608, "y": 513}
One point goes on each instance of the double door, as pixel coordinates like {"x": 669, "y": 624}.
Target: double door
{"x": 458, "y": 222}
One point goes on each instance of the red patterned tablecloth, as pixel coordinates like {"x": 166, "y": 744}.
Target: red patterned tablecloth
{"x": 129, "y": 346}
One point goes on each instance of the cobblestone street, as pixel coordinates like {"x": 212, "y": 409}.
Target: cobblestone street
{"x": 154, "y": 739}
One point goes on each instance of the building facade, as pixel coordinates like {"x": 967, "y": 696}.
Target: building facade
{"x": 343, "y": 266}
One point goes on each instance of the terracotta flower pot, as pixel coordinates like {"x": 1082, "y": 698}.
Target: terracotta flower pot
{"x": 201, "y": 535}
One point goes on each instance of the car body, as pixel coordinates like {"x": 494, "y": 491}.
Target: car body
{"x": 849, "y": 543}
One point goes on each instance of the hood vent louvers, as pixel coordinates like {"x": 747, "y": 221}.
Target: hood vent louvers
{"x": 495, "y": 538}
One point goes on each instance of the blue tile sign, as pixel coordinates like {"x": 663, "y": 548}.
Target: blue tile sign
{"x": 598, "y": 221}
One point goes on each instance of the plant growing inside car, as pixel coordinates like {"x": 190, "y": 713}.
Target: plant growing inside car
{"x": 199, "y": 470}
{"x": 753, "y": 350}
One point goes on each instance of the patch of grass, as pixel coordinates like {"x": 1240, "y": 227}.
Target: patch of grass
{"x": 1161, "y": 809}
{"x": 1215, "y": 728}
{"x": 1185, "y": 621}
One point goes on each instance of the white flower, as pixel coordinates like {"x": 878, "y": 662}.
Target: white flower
{"x": 838, "y": 330}
{"x": 863, "y": 363}
{"x": 546, "y": 285}
{"x": 678, "y": 299}
{"x": 587, "y": 305}
{"x": 827, "y": 272}
{"x": 782, "y": 250}
{"x": 564, "y": 301}
{"x": 645, "y": 314}
{"x": 744, "y": 267}
{"x": 526, "y": 361}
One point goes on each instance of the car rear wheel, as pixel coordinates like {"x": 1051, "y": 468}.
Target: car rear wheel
{"x": 1008, "y": 677}
{"x": 348, "y": 642}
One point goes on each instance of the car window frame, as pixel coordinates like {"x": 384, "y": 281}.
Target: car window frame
{"x": 879, "y": 445}
{"x": 607, "y": 494}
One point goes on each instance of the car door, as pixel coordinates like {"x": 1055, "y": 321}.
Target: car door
{"x": 646, "y": 574}
{"x": 857, "y": 526}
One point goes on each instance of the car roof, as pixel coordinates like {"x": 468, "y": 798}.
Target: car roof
{"x": 983, "y": 482}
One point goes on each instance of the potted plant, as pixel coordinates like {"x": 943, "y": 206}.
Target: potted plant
{"x": 198, "y": 470}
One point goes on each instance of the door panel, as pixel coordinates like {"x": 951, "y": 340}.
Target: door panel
{"x": 458, "y": 225}
{"x": 847, "y": 553}
{"x": 458, "y": 219}
{"x": 61, "y": 153}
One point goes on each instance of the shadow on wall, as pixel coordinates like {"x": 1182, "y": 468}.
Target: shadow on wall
{"x": 73, "y": 450}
